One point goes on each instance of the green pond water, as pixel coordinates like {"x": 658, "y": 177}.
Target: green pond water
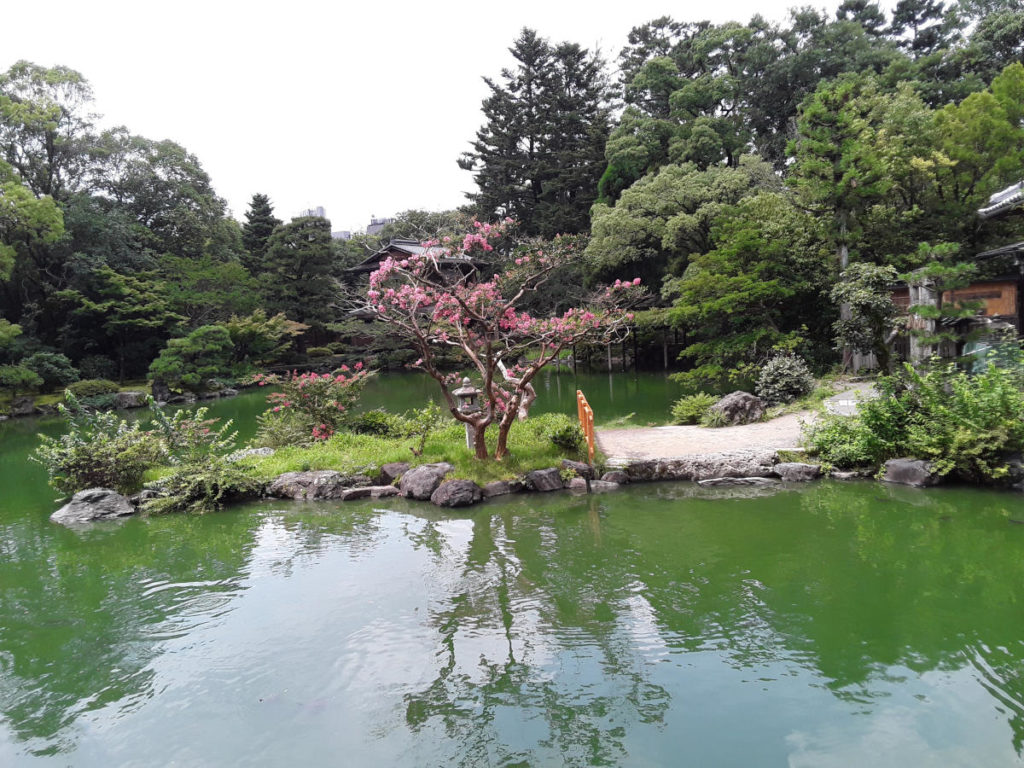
{"x": 827, "y": 625}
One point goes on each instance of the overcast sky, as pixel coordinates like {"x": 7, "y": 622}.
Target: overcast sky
{"x": 361, "y": 107}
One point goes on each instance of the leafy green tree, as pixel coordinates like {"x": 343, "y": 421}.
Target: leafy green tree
{"x": 26, "y": 221}
{"x": 937, "y": 316}
{"x": 540, "y": 153}
{"x": 762, "y": 289}
{"x": 45, "y": 130}
{"x": 257, "y": 339}
{"x": 207, "y": 290}
{"x": 18, "y": 378}
{"x": 664, "y": 218}
{"x": 298, "y": 276}
{"x": 123, "y": 307}
{"x": 190, "y": 362}
{"x": 867, "y": 290}
{"x": 260, "y": 223}
{"x": 8, "y": 333}
{"x": 55, "y": 369}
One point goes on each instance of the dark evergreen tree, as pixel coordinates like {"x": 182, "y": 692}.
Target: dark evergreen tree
{"x": 297, "y": 276}
{"x": 541, "y": 151}
{"x": 260, "y": 223}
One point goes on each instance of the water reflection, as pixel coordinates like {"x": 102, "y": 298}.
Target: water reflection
{"x": 838, "y": 625}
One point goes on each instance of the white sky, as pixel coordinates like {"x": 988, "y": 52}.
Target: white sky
{"x": 360, "y": 107}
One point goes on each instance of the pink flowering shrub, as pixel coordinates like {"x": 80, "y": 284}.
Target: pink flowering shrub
{"x": 306, "y": 406}
{"x": 435, "y": 302}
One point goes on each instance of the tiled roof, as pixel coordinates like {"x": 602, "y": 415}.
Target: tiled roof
{"x": 1003, "y": 201}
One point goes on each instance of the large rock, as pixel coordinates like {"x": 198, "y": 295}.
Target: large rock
{"x": 914, "y": 472}
{"x": 796, "y": 472}
{"x": 544, "y": 480}
{"x": 23, "y": 406}
{"x": 581, "y": 469}
{"x": 497, "y": 488}
{"x": 457, "y": 493}
{"x": 753, "y": 463}
{"x": 314, "y": 485}
{"x": 392, "y": 471}
{"x": 369, "y": 492}
{"x": 228, "y": 392}
{"x": 160, "y": 391}
{"x": 740, "y": 408}
{"x": 130, "y": 400}
{"x": 837, "y": 474}
{"x": 93, "y": 504}
{"x": 616, "y": 476}
{"x": 420, "y": 482}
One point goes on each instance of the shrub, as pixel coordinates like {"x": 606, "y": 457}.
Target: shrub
{"x": 55, "y": 369}
{"x": 319, "y": 352}
{"x": 714, "y": 419}
{"x": 692, "y": 408}
{"x": 422, "y": 423}
{"x": 317, "y": 403}
{"x": 97, "y": 367}
{"x": 18, "y": 378}
{"x": 107, "y": 402}
{"x": 189, "y": 362}
{"x": 92, "y": 388}
{"x": 783, "y": 379}
{"x": 379, "y": 422}
{"x": 99, "y": 450}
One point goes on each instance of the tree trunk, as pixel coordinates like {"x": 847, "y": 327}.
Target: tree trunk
{"x": 480, "y": 441}
{"x": 504, "y": 427}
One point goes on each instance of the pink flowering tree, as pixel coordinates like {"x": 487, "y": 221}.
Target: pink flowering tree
{"x": 317, "y": 403}
{"x": 444, "y": 299}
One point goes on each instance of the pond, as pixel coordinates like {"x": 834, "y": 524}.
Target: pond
{"x": 841, "y": 624}
{"x": 830, "y": 625}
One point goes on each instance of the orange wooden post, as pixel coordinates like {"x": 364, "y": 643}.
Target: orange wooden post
{"x": 586, "y": 417}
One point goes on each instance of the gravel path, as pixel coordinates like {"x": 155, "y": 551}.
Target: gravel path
{"x": 782, "y": 433}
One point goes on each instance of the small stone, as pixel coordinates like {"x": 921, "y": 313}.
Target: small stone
{"x": 544, "y": 480}
{"x": 581, "y": 469}
{"x": 914, "y": 472}
{"x": 93, "y": 504}
{"x": 457, "y": 493}
{"x": 616, "y": 476}
{"x": 796, "y": 472}
{"x": 382, "y": 491}
{"x": 228, "y": 392}
{"x": 392, "y": 471}
{"x": 247, "y": 453}
{"x": 758, "y": 482}
{"x": 837, "y": 474}
{"x": 497, "y": 488}
{"x": 356, "y": 493}
{"x": 420, "y": 482}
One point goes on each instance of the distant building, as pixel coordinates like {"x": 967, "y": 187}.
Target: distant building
{"x": 318, "y": 211}
{"x": 342, "y": 234}
{"x": 376, "y": 225}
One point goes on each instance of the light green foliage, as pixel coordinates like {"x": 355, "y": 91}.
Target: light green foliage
{"x": 691, "y": 409}
{"x": 189, "y": 362}
{"x": 8, "y": 333}
{"x": 783, "y": 379}
{"x": 966, "y": 425}
{"x": 319, "y": 352}
{"x": 92, "y": 388}
{"x": 754, "y": 292}
{"x": 54, "y": 369}
{"x": 99, "y": 450}
{"x": 258, "y": 340}
{"x": 206, "y": 290}
{"x": 569, "y": 439}
{"x": 18, "y": 378}
{"x": 25, "y": 220}
{"x": 202, "y": 478}
{"x": 665, "y": 218}
{"x": 867, "y": 290}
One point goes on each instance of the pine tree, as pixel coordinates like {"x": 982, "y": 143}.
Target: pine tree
{"x": 540, "y": 153}
{"x": 260, "y": 223}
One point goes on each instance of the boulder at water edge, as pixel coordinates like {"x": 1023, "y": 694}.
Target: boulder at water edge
{"x": 392, "y": 471}
{"x": 915, "y": 472}
{"x": 314, "y": 485}
{"x": 457, "y": 493}
{"x": 420, "y": 482}
{"x": 130, "y": 399}
{"x": 23, "y": 406}
{"x": 740, "y": 408}
{"x": 797, "y": 472}
{"x": 93, "y": 504}
{"x": 544, "y": 480}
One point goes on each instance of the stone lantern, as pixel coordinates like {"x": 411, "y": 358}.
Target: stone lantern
{"x": 467, "y": 395}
